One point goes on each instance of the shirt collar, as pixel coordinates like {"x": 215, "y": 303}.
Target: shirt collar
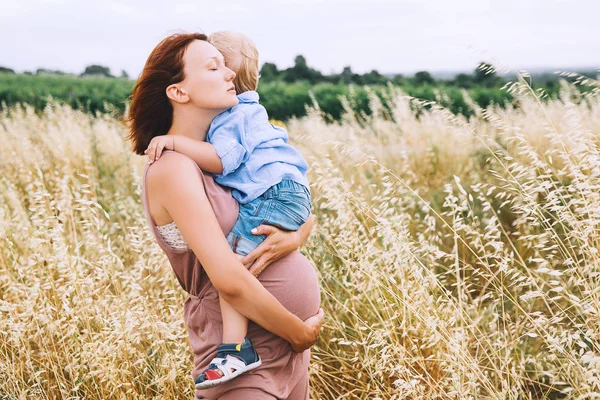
{"x": 248, "y": 97}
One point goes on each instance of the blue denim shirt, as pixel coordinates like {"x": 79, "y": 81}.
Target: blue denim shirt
{"x": 255, "y": 154}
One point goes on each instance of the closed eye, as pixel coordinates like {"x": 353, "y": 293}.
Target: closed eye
{"x": 214, "y": 63}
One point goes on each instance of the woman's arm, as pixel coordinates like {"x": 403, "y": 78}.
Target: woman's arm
{"x": 277, "y": 244}
{"x": 193, "y": 215}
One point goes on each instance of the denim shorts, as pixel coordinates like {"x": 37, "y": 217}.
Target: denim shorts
{"x": 285, "y": 205}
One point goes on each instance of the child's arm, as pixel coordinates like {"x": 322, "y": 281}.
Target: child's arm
{"x": 231, "y": 145}
{"x": 204, "y": 154}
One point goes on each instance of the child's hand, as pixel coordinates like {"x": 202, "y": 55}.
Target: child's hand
{"x": 157, "y": 145}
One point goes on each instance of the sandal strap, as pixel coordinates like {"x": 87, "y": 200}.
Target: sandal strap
{"x": 234, "y": 361}
{"x": 226, "y": 365}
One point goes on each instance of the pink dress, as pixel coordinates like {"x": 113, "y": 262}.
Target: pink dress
{"x": 292, "y": 280}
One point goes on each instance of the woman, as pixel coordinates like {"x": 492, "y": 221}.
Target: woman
{"x": 179, "y": 92}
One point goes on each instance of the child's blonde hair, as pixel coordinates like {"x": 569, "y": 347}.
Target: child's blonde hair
{"x": 233, "y": 45}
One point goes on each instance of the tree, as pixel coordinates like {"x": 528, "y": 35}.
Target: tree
{"x": 374, "y": 78}
{"x": 346, "y": 75}
{"x": 6, "y": 70}
{"x": 300, "y": 62}
{"x": 301, "y": 71}
{"x": 44, "y": 71}
{"x": 398, "y": 79}
{"x": 485, "y": 75}
{"x": 269, "y": 72}
{"x": 124, "y": 74}
{"x": 423, "y": 77}
{"x": 96, "y": 70}
{"x": 332, "y": 78}
{"x": 464, "y": 81}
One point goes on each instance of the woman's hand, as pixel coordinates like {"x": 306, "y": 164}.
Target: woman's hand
{"x": 277, "y": 244}
{"x": 311, "y": 332}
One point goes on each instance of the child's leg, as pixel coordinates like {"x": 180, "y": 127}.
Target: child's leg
{"x": 236, "y": 354}
{"x": 235, "y": 325}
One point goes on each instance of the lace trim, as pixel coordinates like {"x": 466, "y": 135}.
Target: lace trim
{"x": 172, "y": 236}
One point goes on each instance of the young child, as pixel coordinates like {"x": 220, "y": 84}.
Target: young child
{"x": 267, "y": 177}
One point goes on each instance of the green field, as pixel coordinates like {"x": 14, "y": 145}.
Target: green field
{"x": 282, "y": 100}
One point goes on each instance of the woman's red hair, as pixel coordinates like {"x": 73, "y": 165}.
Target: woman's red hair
{"x": 151, "y": 113}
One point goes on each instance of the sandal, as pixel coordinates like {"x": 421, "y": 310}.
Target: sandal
{"x": 232, "y": 360}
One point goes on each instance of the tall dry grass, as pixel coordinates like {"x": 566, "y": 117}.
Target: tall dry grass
{"x": 458, "y": 258}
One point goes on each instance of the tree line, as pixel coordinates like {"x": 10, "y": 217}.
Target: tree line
{"x": 91, "y": 70}
{"x": 484, "y": 75}
{"x": 300, "y": 71}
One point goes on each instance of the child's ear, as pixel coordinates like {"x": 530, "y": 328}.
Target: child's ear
{"x": 177, "y": 94}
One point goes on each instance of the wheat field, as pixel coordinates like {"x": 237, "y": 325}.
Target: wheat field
{"x": 458, "y": 258}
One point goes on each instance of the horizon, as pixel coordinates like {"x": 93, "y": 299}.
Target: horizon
{"x": 440, "y": 74}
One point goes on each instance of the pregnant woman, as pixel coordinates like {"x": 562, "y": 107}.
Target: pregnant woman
{"x": 179, "y": 92}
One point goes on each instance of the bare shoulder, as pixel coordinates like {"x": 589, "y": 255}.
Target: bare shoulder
{"x": 172, "y": 173}
{"x": 171, "y": 169}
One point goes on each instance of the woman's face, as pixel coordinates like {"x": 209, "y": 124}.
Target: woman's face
{"x": 208, "y": 82}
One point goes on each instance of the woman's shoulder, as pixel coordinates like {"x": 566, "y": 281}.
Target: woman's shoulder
{"x": 158, "y": 181}
{"x": 171, "y": 164}
{"x": 174, "y": 172}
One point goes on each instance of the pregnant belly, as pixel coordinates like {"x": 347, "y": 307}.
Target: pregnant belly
{"x": 293, "y": 281}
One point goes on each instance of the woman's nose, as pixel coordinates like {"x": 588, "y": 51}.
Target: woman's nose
{"x": 231, "y": 75}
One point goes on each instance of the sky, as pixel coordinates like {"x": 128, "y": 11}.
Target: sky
{"x": 391, "y": 36}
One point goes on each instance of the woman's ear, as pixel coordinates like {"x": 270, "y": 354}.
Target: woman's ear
{"x": 177, "y": 94}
